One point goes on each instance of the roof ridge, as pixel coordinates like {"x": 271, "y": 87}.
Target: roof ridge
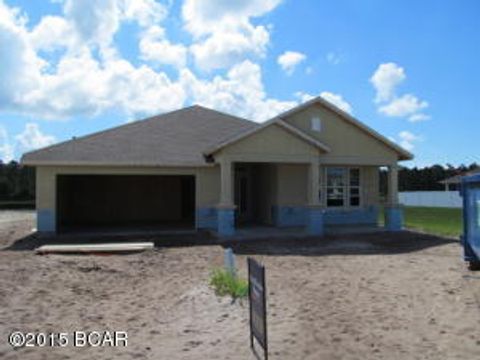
{"x": 223, "y": 113}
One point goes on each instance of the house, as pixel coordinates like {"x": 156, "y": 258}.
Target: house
{"x": 197, "y": 168}
{"x": 453, "y": 183}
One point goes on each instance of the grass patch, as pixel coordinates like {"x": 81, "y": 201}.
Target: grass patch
{"x": 437, "y": 221}
{"x": 225, "y": 283}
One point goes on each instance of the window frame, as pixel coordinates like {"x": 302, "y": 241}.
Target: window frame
{"x": 314, "y": 121}
{"x": 346, "y": 188}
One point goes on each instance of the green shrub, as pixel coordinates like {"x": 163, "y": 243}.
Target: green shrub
{"x": 225, "y": 283}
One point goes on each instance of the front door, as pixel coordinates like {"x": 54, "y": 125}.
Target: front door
{"x": 243, "y": 194}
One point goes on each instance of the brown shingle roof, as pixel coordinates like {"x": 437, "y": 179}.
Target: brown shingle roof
{"x": 177, "y": 138}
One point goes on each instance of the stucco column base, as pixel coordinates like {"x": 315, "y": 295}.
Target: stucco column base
{"x": 46, "y": 221}
{"x": 315, "y": 221}
{"x": 226, "y": 220}
{"x": 393, "y": 217}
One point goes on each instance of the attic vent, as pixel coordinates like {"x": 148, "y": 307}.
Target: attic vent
{"x": 316, "y": 124}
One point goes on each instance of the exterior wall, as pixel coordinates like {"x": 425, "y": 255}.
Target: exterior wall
{"x": 291, "y": 209}
{"x": 271, "y": 144}
{"x": 296, "y": 216}
{"x": 208, "y": 197}
{"x": 292, "y": 184}
{"x": 370, "y": 180}
{"x": 207, "y": 189}
{"x": 290, "y": 206}
{"x": 348, "y": 143}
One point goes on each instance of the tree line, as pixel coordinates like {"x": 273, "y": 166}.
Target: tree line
{"x": 424, "y": 179}
{"x": 17, "y": 182}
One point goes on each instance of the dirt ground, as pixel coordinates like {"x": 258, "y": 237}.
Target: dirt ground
{"x": 382, "y": 296}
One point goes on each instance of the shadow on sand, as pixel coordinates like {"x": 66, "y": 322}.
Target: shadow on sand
{"x": 358, "y": 244}
{"x": 355, "y": 244}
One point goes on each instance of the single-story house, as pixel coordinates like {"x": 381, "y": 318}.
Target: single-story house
{"x": 195, "y": 168}
{"x": 453, "y": 183}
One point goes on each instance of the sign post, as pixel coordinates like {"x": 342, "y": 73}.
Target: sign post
{"x": 258, "y": 305}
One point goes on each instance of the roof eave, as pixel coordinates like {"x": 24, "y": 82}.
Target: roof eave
{"x": 36, "y": 163}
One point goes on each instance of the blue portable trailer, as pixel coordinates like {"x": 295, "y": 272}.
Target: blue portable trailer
{"x": 470, "y": 191}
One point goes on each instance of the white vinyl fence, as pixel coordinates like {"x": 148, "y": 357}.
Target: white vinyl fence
{"x": 451, "y": 199}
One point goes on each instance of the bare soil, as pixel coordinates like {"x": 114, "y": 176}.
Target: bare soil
{"x": 376, "y": 296}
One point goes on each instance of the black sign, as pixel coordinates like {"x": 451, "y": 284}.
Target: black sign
{"x": 258, "y": 304}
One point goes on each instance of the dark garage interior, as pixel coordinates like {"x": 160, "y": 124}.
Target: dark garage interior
{"x": 120, "y": 202}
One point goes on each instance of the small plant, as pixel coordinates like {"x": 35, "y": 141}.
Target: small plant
{"x": 226, "y": 283}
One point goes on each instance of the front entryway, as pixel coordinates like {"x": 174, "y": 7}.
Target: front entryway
{"x": 254, "y": 193}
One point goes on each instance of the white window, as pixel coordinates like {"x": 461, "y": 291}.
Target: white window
{"x": 354, "y": 187}
{"x": 316, "y": 124}
{"x": 342, "y": 187}
{"x": 336, "y": 177}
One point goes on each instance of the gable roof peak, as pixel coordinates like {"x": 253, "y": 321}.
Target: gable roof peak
{"x": 404, "y": 154}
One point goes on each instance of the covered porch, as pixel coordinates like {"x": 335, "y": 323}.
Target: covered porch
{"x": 262, "y": 199}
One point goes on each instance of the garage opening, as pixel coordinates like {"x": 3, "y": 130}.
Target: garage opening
{"x": 125, "y": 202}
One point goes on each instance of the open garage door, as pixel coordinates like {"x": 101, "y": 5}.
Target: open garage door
{"x": 125, "y": 202}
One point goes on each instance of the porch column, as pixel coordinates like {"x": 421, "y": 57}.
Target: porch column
{"x": 393, "y": 210}
{"x": 315, "y": 212}
{"x": 226, "y": 208}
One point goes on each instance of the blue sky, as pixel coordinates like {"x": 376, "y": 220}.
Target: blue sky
{"x": 409, "y": 69}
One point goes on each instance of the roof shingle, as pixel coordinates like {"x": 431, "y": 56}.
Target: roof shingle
{"x": 177, "y": 138}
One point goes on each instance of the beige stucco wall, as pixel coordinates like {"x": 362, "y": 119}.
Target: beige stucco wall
{"x": 292, "y": 184}
{"x": 348, "y": 143}
{"x": 208, "y": 186}
{"x": 271, "y": 144}
{"x": 370, "y": 180}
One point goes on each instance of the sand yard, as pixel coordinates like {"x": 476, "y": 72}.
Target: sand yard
{"x": 382, "y": 296}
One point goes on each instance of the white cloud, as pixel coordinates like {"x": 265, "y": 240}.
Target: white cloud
{"x": 6, "y": 148}
{"x": 303, "y": 96}
{"x": 289, "y": 60}
{"x": 32, "y": 138}
{"x": 20, "y": 67}
{"x": 333, "y": 58}
{"x": 337, "y": 100}
{"x": 406, "y": 105}
{"x": 202, "y": 17}
{"x": 240, "y": 92}
{"x": 78, "y": 83}
{"x": 146, "y": 12}
{"x": 84, "y": 81}
{"x": 385, "y": 79}
{"x": 419, "y": 117}
{"x": 52, "y": 32}
{"x": 223, "y": 33}
{"x": 407, "y": 140}
{"x": 156, "y": 48}
{"x": 95, "y": 23}
{"x": 224, "y": 48}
